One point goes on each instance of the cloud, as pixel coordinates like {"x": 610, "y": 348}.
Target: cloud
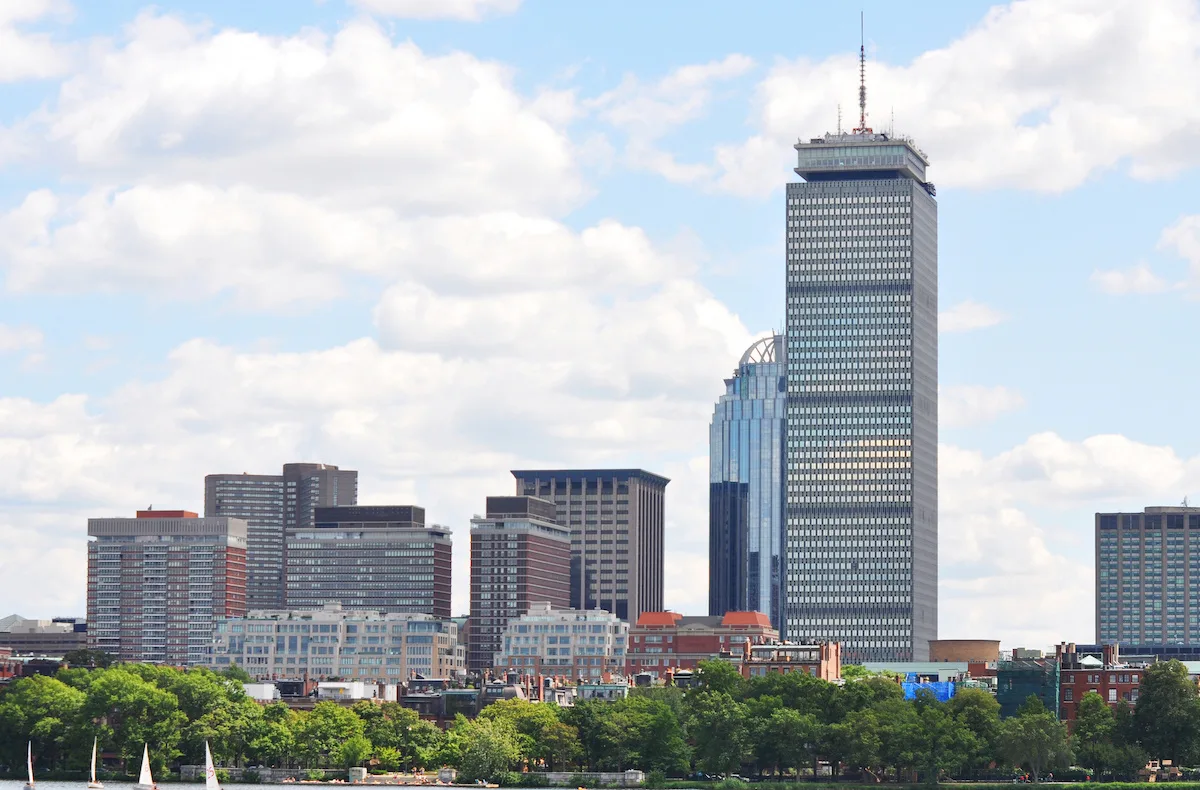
{"x": 648, "y": 111}
{"x": 1017, "y": 529}
{"x": 19, "y": 338}
{"x": 965, "y": 406}
{"x": 968, "y": 316}
{"x": 1039, "y": 95}
{"x": 349, "y": 119}
{"x": 1137, "y": 280}
{"x": 463, "y": 10}
{"x": 31, "y": 56}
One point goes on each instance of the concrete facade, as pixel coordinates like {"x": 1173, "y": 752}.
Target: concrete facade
{"x": 356, "y": 646}
{"x": 158, "y": 584}
{"x": 567, "y": 642}
{"x": 861, "y": 456}
{"x": 519, "y": 556}
{"x": 617, "y": 523}
{"x": 375, "y": 558}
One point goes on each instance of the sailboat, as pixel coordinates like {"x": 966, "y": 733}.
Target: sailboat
{"x": 145, "y": 780}
{"x": 210, "y": 773}
{"x": 94, "y": 784}
{"x": 29, "y": 764}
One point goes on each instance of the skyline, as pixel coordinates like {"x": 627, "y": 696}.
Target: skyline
{"x": 215, "y": 260}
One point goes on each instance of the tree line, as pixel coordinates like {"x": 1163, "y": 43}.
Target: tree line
{"x": 782, "y": 725}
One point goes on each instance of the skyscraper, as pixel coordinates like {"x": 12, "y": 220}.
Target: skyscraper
{"x": 745, "y": 500}
{"x": 862, "y": 396}
{"x": 257, "y": 499}
{"x": 372, "y": 557}
{"x": 1148, "y": 577}
{"x": 159, "y": 582}
{"x": 519, "y": 556}
{"x": 271, "y": 504}
{"x": 616, "y": 519}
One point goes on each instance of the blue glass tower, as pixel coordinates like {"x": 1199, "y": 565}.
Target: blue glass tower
{"x": 746, "y": 525}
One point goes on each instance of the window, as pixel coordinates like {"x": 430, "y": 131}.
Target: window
{"x": 1068, "y": 695}
{"x": 1112, "y": 695}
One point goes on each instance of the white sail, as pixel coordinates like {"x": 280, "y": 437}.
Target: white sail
{"x": 93, "y": 784}
{"x": 29, "y": 763}
{"x": 145, "y": 779}
{"x": 210, "y": 773}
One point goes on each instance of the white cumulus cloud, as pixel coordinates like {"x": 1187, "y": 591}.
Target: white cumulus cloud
{"x": 966, "y": 405}
{"x": 1137, "y": 280}
{"x": 969, "y": 315}
{"x": 465, "y": 10}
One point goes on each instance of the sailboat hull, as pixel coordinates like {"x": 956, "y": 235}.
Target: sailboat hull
{"x": 95, "y": 786}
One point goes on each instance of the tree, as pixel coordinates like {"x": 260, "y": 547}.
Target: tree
{"x": 488, "y": 748}
{"x": 1037, "y": 740}
{"x": 85, "y": 658}
{"x": 789, "y": 740}
{"x": 979, "y": 711}
{"x": 529, "y": 720}
{"x": 43, "y": 710}
{"x": 136, "y": 712}
{"x": 322, "y": 731}
{"x": 1093, "y": 736}
{"x": 354, "y": 751}
{"x": 942, "y": 742}
{"x": 719, "y": 728}
{"x": 1167, "y": 715}
{"x": 235, "y": 672}
{"x": 721, "y": 677}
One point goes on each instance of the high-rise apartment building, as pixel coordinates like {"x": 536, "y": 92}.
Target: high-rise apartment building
{"x": 158, "y": 583}
{"x": 334, "y": 642}
{"x": 258, "y": 500}
{"x": 1148, "y": 577}
{"x": 376, "y": 558}
{"x": 862, "y": 397}
{"x": 616, "y": 519}
{"x": 745, "y": 497}
{"x": 270, "y": 505}
{"x": 519, "y": 556}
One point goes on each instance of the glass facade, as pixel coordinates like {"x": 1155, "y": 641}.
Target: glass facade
{"x": 861, "y": 450}
{"x": 1148, "y": 577}
{"x": 746, "y": 440}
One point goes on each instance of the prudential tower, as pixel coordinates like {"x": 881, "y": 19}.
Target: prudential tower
{"x": 861, "y": 454}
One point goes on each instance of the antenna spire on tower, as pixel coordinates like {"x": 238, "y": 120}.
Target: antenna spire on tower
{"x": 862, "y": 76}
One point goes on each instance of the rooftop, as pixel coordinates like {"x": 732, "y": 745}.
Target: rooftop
{"x": 860, "y": 155}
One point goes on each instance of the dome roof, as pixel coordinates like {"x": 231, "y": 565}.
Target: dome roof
{"x": 767, "y": 349}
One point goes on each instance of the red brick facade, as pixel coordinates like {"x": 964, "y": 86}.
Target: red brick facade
{"x": 663, "y": 642}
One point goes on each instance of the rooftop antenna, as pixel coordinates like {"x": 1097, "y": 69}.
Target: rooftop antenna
{"x": 862, "y": 76}
{"x": 839, "y": 118}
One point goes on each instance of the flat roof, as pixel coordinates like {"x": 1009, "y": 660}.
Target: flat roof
{"x": 579, "y": 474}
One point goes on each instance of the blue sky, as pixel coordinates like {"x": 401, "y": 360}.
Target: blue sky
{"x": 435, "y": 241}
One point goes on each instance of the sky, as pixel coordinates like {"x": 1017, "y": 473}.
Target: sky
{"x": 437, "y": 240}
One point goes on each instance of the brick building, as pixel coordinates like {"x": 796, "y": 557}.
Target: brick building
{"x": 1080, "y": 673}
{"x": 662, "y": 642}
{"x": 519, "y": 555}
{"x": 159, "y": 582}
{"x": 822, "y": 660}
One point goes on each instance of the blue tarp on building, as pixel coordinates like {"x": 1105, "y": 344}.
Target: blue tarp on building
{"x": 942, "y": 691}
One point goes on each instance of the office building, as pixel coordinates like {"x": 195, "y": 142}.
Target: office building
{"x": 55, "y": 637}
{"x": 158, "y": 584}
{"x": 271, "y": 504}
{"x": 666, "y": 642}
{"x": 519, "y": 556}
{"x": 616, "y": 520}
{"x": 376, "y": 558}
{"x": 745, "y": 499}
{"x": 571, "y": 643}
{"x": 335, "y": 642}
{"x": 1148, "y": 577}
{"x": 861, "y": 455}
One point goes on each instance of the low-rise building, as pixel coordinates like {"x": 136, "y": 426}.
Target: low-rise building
{"x": 573, "y": 643}
{"x": 56, "y": 637}
{"x": 665, "y": 642}
{"x": 1105, "y": 674}
{"x": 822, "y": 660}
{"x": 329, "y": 642}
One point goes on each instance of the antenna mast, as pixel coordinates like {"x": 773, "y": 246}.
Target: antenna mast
{"x": 862, "y": 76}
{"x": 839, "y": 128}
